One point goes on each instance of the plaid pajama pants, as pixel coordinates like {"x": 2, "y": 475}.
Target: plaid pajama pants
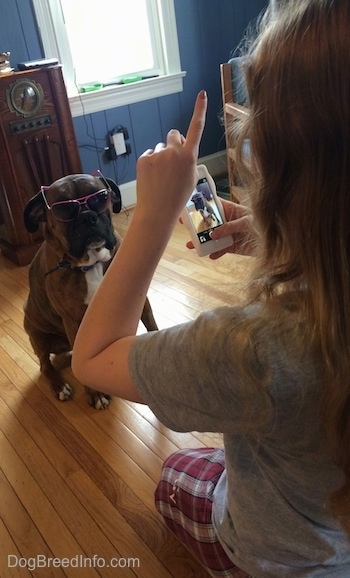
{"x": 184, "y": 498}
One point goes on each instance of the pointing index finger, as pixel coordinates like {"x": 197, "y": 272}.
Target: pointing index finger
{"x": 196, "y": 127}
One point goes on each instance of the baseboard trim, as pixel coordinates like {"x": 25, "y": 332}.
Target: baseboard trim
{"x": 215, "y": 163}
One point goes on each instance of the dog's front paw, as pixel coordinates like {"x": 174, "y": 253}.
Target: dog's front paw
{"x": 101, "y": 401}
{"x": 98, "y": 400}
{"x": 65, "y": 393}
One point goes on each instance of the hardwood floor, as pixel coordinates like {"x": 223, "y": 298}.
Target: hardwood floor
{"x": 76, "y": 482}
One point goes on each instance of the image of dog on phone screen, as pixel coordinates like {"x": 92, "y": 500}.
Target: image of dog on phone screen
{"x": 79, "y": 243}
{"x": 202, "y": 208}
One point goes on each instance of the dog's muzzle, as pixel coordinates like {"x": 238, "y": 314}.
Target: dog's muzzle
{"x": 90, "y": 230}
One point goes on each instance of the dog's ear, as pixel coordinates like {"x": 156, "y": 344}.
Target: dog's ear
{"x": 116, "y": 196}
{"x": 34, "y": 213}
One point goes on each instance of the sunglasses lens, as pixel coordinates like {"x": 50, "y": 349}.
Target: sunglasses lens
{"x": 98, "y": 202}
{"x": 65, "y": 211}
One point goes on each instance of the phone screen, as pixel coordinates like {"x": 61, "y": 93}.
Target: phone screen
{"x": 203, "y": 211}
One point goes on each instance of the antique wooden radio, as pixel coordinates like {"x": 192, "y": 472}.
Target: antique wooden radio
{"x": 37, "y": 146}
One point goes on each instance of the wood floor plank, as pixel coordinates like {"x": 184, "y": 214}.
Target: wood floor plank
{"x": 40, "y": 509}
{"x": 18, "y": 335}
{"x": 9, "y": 311}
{"x": 181, "y": 440}
{"x": 121, "y": 534}
{"x": 36, "y": 429}
{"x": 54, "y": 488}
{"x": 19, "y": 367}
{"x": 12, "y": 297}
{"x": 108, "y": 469}
{"x": 20, "y": 536}
{"x": 16, "y": 284}
{"x": 157, "y": 441}
{"x": 101, "y": 510}
{"x": 99, "y": 446}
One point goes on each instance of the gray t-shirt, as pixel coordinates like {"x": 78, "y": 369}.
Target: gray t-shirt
{"x": 269, "y": 507}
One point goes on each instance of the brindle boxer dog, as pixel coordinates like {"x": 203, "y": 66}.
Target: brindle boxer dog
{"x": 79, "y": 244}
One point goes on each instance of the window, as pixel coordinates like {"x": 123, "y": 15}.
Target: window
{"x": 128, "y": 49}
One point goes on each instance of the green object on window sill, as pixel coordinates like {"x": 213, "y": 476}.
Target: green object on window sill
{"x": 130, "y": 79}
{"x": 90, "y": 87}
{"x": 126, "y": 80}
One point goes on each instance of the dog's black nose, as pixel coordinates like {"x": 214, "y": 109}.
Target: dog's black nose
{"x": 88, "y": 218}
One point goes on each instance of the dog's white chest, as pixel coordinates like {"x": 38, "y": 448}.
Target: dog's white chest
{"x": 93, "y": 276}
{"x": 93, "y": 279}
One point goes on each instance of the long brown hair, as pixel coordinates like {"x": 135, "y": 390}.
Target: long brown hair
{"x": 298, "y": 81}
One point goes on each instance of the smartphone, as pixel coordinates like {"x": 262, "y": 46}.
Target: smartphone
{"x": 203, "y": 213}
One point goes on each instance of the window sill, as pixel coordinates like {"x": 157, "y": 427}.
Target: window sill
{"x": 114, "y": 96}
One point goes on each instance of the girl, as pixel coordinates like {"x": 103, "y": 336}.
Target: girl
{"x": 274, "y": 375}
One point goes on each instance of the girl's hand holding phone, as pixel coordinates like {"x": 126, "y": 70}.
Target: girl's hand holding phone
{"x": 239, "y": 225}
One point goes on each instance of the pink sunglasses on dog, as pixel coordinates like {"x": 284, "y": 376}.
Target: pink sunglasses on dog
{"x": 69, "y": 210}
{"x": 66, "y": 211}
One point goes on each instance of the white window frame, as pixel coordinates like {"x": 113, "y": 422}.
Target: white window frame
{"x": 53, "y": 37}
